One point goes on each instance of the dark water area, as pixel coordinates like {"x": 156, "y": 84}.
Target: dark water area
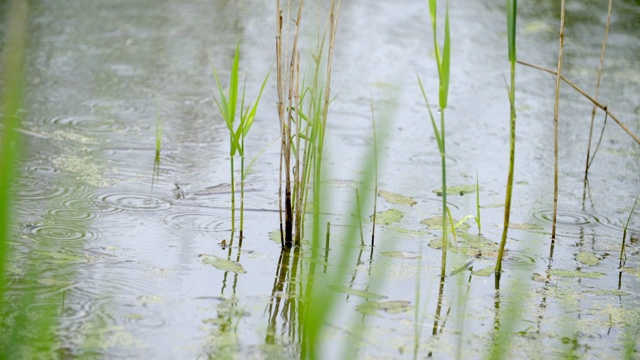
{"x": 140, "y": 247}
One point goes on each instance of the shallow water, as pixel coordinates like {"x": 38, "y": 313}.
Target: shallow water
{"x": 136, "y": 246}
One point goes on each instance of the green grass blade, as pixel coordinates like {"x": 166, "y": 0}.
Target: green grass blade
{"x": 512, "y": 6}
{"x": 252, "y": 114}
{"x": 233, "y": 88}
{"x": 445, "y": 62}
{"x": 432, "y": 11}
{"x": 223, "y": 104}
{"x": 433, "y": 119}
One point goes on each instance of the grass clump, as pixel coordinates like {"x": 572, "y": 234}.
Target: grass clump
{"x": 227, "y": 104}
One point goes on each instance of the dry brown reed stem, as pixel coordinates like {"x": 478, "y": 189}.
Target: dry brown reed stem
{"x": 280, "y": 111}
{"x": 556, "y": 105}
{"x": 583, "y": 93}
{"x": 288, "y": 86}
{"x": 593, "y": 110}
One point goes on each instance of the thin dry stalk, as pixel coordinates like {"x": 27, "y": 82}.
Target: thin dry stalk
{"x": 288, "y": 86}
{"x": 333, "y": 21}
{"x": 583, "y": 93}
{"x": 555, "y": 123}
{"x": 593, "y": 110}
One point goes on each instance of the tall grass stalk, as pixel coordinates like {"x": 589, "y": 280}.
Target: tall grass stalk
{"x": 555, "y": 123}
{"x": 512, "y": 10}
{"x": 593, "y": 110}
{"x": 27, "y": 331}
{"x": 376, "y": 276}
{"x": 227, "y": 105}
{"x": 443, "y": 61}
{"x": 11, "y": 102}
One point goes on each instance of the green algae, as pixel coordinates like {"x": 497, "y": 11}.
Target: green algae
{"x": 360, "y": 293}
{"x": 389, "y": 307}
{"x": 435, "y": 223}
{"x": 394, "y": 198}
{"x": 222, "y": 264}
{"x": 400, "y": 255}
{"x": 388, "y": 217}
{"x": 575, "y": 274}
{"x": 457, "y": 190}
{"x": 484, "y": 271}
{"x": 587, "y": 258}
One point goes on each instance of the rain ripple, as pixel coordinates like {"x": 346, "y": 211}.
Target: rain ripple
{"x": 570, "y": 223}
{"x": 134, "y": 202}
{"x": 62, "y": 233}
{"x": 33, "y": 189}
{"x": 90, "y": 123}
{"x": 199, "y": 221}
{"x": 72, "y": 214}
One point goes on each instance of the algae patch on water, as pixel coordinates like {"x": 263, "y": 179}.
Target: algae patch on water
{"x": 394, "y": 198}
{"x": 388, "y": 217}
{"x": 222, "y": 264}
{"x": 587, "y": 258}
{"x": 575, "y": 274}
{"x": 457, "y": 190}
{"x": 484, "y": 271}
{"x": 435, "y": 223}
{"x": 360, "y": 293}
{"x": 400, "y": 255}
{"x": 88, "y": 169}
{"x": 390, "y": 307}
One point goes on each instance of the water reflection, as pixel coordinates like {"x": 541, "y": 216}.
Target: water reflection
{"x": 286, "y": 302}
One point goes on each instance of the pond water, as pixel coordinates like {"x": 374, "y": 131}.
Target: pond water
{"x": 136, "y": 246}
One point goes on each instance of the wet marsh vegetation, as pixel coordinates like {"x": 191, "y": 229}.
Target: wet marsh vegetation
{"x": 120, "y": 239}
